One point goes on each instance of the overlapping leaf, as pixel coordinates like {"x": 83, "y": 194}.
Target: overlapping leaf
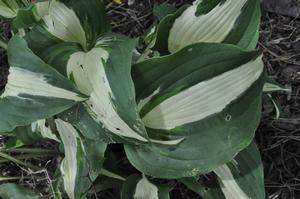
{"x": 34, "y": 89}
{"x": 83, "y": 160}
{"x": 196, "y": 108}
{"x": 138, "y": 187}
{"x": 104, "y": 73}
{"x": 8, "y": 8}
{"x": 241, "y": 178}
{"x": 213, "y": 101}
{"x": 23, "y": 13}
{"x": 230, "y": 21}
{"x": 69, "y": 21}
{"x": 100, "y": 67}
{"x": 27, "y": 16}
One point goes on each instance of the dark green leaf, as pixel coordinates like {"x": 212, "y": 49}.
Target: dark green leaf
{"x": 83, "y": 160}
{"x": 162, "y": 10}
{"x": 128, "y": 187}
{"x": 211, "y": 141}
{"x": 73, "y": 24}
{"x": 245, "y": 33}
{"x": 25, "y": 17}
{"x": 26, "y": 135}
{"x": 229, "y": 22}
{"x": 247, "y": 182}
{"x": 205, "y": 6}
{"x": 32, "y": 85}
{"x": 94, "y": 22}
{"x": 13, "y": 191}
{"x": 163, "y": 31}
{"x": 82, "y": 120}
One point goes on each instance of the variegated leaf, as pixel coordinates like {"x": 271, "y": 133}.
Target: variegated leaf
{"x": 68, "y": 21}
{"x": 9, "y": 8}
{"x": 211, "y": 96}
{"x": 243, "y": 177}
{"x": 83, "y": 160}
{"x": 44, "y": 129}
{"x": 230, "y": 21}
{"x": 104, "y": 74}
{"x": 136, "y": 187}
{"x": 23, "y": 13}
{"x": 145, "y": 189}
{"x": 213, "y": 101}
{"x": 63, "y": 23}
{"x": 41, "y": 8}
{"x": 69, "y": 138}
{"x": 79, "y": 117}
{"x": 33, "y": 85}
{"x": 30, "y": 134}
{"x": 270, "y": 87}
{"x": 110, "y": 174}
{"x": 31, "y": 14}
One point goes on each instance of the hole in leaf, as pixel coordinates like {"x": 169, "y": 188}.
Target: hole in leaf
{"x": 228, "y": 118}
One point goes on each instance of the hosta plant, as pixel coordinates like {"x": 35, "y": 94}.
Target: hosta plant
{"x": 185, "y": 104}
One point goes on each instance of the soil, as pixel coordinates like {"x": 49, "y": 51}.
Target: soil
{"x": 284, "y": 7}
{"x": 278, "y": 139}
{"x": 5, "y": 33}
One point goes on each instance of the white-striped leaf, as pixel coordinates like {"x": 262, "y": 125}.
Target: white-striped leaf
{"x": 210, "y": 96}
{"x": 230, "y": 21}
{"x": 69, "y": 137}
{"x": 270, "y": 87}
{"x": 24, "y": 135}
{"x": 33, "y": 85}
{"x": 8, "y": 8}
{"x": 145, "y": 189}
{"x": 23, "y": 13}
{"x": 104, "y": 74}
{"x": 83, "y": 160}
{"x": 30, "y": 14}
{"x": 141, "y": 188}
{"x": 205, "y": 6}
{"x": 44, "y": 129}
{"x": 35, "y": 132}
{"x": 242, "y": 178}
{"x": 41, "y": 9}
{"x": 69, "y": 21}
{"x": 79, "y": 117}
{"x": 98, "y": 74}
{"x": 208, "y": 100}
{"x": 110, "y": 174}
{"x": 63, "y": 23}
{"x": 229, "y": 186}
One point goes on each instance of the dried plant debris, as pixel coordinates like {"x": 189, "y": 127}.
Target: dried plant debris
{"x": 5, "y": 34}
{"x": 279, "y": 140}
{"x": 284, "y": 7}
{"x": 132, "y": 18}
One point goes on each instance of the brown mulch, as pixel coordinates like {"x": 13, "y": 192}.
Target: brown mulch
{"x": 5, "y": 33}
{"x": 279, "y": 140}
